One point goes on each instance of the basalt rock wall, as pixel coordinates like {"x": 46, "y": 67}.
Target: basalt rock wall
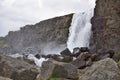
{"x": 33, "y": 38}
{"x": 106, "y": 26}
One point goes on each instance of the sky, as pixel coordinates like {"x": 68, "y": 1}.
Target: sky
{"x": 18, "y": 13}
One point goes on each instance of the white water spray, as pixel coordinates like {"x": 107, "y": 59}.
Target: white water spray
{"x": 80, "y": 30}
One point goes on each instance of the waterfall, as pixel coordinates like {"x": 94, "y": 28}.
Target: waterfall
{"x": 80, "y": 30}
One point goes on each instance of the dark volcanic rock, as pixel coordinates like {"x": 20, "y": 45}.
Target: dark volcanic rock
{"x": 17, "y": 69}
{"x": 38, "y": 56}
{"x": 76, "y": 52}
{"x": 48, "y": 35}
{"x": 108, "y": 54}
{"x": 106, "y": 26}
{"x": 66, "y": 52}
{"x": 80, "y": 62}
{"x": 84, "y": 49}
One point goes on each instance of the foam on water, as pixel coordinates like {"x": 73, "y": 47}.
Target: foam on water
{"x": 38, "y": 62}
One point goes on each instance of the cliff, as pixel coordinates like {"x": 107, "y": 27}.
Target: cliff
{"x": 34, "y": 38}
{"x": 106, "y": 26}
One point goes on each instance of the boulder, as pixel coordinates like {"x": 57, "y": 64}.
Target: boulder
{"x": 106, "y": 69}
{"x": 38, "y": 56}
{"x": 95, "y": 57}
{"x": 76, "y": 52}
{"x": 67, "y": 59}
{"x": 3, "y": 78}
{"x": 80, "y": 62}
{"x": 59, "y": 58}
{"x": 17, "y": 69}
{"x": 107, "y": 54}
{"x": 66, "y": 52}
{"x": 57, "y": 69}
{"x": 84, "y": 49}
{"x": 111, "y": 53}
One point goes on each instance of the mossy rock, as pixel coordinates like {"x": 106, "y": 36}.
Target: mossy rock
{"x": 1, "y": 42}
{"x": 119, "y": 62}
{"x": 5, "y": 46}
{"x": 52, "y": 77}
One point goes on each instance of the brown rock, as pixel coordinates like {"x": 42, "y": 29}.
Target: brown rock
{"x": 17, "y": 69}
{"x": 58, "y": 70}
{"x": 3, "y": 78}
{"x": 106, "y": 69}
{"x": 106, "y": 26}
{"x": 80, "y": 62}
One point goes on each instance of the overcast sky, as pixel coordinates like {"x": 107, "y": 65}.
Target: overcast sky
{"x": 17, "y": 13}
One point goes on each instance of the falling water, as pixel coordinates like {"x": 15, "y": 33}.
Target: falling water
{"x": 80, "y": 30}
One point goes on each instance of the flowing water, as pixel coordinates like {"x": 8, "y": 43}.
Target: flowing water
{"x": 80, "y": 30}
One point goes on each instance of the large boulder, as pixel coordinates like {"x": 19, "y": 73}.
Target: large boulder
{"x": 80, "y": 62}
{"x": 66, "y": 52}
{"x": 3, "y": 78}
{"x": 106, "y": 69}
{"x": 76, "y": 52}
{"x": 84, "y": 49}
{"x": 17, "y": 69}
{"x": 56, "y": 69}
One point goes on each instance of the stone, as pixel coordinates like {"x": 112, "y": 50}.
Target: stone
{"x": 76, "y": 52}
{"x": 80, "y": 61}
{"x": 17, "y": 69}
{"x": 106, "y": 69}
{"x": 107, "y": 54}
{"x": 111, "y": 52}
{"x": 62, "y": 79}
{"x": 84, "y": 49}
{"x": 3, "y": 78}
{"x": 89, "y": 62}
{"x": 38, "y": 56}
{"x": 106, "y": 27}
{"x": 65, "y": 52}
{"x": 58, "y": 70}
{"x": 67, "y": 59}
{"x": 95, "y": 57}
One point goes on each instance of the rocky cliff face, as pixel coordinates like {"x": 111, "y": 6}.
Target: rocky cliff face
{"x": 106, "y": 26}
{"x": 34, "y": 38}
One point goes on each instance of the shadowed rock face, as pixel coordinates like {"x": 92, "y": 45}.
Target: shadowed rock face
{"x": 106, "y": 26}
{"x": 32, "y": 38}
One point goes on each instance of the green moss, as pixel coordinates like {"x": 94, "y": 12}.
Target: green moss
{"x": 78, "y": 72}
{"x": 69, "y": 20}
{"x": 52, "y": 77}
{"x": 1, "y": 41}
{"x": 119, "y": 62}
{"x": 5, "y": 46}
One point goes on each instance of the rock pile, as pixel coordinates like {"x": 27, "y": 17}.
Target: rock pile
{"x": 81, "y": 64}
